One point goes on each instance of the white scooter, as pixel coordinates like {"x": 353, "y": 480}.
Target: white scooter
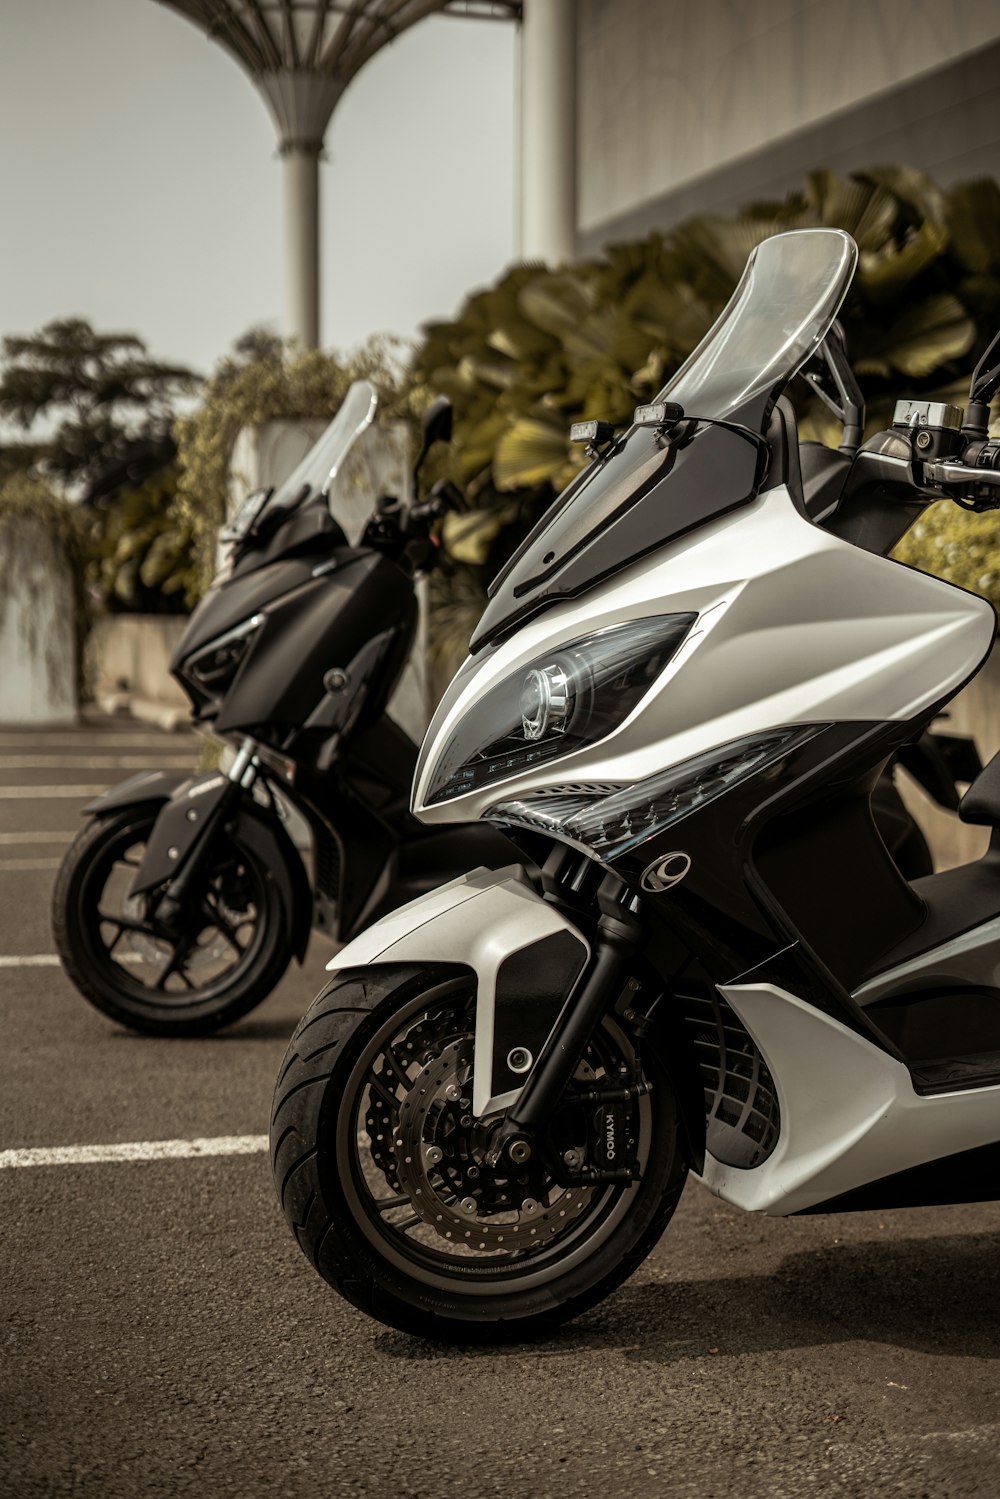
{"x": 688, "y": 682}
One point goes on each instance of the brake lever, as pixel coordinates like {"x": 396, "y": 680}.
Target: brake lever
{"x": 978, "y": 486}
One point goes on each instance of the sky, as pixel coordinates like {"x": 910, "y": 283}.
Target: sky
{"x": 140, "y": 186}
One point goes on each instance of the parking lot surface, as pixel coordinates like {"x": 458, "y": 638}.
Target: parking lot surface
{"x": 162, "y": 1335}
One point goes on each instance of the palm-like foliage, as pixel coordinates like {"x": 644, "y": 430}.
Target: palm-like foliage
{"x": 543, "y": 348}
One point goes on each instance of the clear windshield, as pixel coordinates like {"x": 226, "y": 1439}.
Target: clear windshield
{"x": 319, "y": 468}
{"x": 776, "y": 319}
{"x": 644, "y": 492}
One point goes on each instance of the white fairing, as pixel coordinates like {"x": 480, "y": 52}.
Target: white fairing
{"x": 794, "y": 626}
{"x": 477, "y": 920}
{"x": 849, "y": 1114}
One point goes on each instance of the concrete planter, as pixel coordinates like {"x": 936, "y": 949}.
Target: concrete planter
{"x": 37, "y": 626}
{"x": 128, "y": 657}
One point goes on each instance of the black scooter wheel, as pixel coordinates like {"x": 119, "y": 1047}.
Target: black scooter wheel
{"x": 383, "y": 1176}
{"x": 224, "y": 956}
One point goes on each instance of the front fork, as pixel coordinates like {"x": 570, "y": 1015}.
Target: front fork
{"x": 523, "y": 1130}
{"x": 239, "y": 777}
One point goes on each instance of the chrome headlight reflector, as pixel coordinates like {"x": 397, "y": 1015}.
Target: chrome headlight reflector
{"x": 574, "y": 695}
{"x": 610, "y": 820}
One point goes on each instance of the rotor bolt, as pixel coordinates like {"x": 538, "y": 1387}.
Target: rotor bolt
{"x": 472, "y": 1172}
{"x": 572, "y": 1158}
{"x": 468, "y": 1205}
{"x": 433, "y": 1155}
{"x": 453, "y": 1093}
{"x": 529, "y": 1205}
{"x": 466, "y": 1121}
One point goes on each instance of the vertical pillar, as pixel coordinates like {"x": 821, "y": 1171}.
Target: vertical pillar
{"x": 548, "y": 130}
{"x": 300, "y": 169}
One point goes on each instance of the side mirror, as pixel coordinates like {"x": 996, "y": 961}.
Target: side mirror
{"x": 435, "y": 427}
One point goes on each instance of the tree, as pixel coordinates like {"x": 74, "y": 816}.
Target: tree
{"x": 80, "y": 397}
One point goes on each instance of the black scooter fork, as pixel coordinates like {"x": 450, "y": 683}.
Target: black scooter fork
{"x": 238, "y": 779}
{"x": 613, "y": 952}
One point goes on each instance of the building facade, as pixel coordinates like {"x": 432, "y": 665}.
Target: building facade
{"x": 686, "y": 107}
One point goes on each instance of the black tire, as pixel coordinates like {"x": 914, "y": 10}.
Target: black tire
{"x": 124, "y": 987}
{"x": 327, "y": 1177}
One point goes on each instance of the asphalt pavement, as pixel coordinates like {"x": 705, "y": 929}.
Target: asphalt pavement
{"x": 161, "y": 1334}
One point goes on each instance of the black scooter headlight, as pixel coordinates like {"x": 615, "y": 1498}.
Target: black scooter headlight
{"x": 216, "y": 664}
{"x": 572, "y": 696}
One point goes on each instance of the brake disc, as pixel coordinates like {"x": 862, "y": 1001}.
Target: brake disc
{"x": 440, "y": 1152}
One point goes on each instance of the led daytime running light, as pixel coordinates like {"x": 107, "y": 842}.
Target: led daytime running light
{"x": 611, "y": 825}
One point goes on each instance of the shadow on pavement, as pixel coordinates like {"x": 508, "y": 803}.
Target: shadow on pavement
{"x": 933, "y": 1295}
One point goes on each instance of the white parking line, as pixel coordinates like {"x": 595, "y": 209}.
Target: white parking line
{"x": 97, "y": 762}
{"x": 51, "y": 960}
{"x": 33, "y": 837}
{"x": 139, "y": 1150}
{"x": 8, "y": 793}
{"x": 108, "y": 740}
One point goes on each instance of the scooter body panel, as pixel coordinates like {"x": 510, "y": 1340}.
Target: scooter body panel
{"x": 359, "y": 618}
{"x": 849, "y": 1113}
{"x": 794, "y": 626}
{"x": 481, "y": 922}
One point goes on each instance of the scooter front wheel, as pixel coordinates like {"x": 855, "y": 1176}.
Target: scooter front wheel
{"x": 383, "y": 1175}
{"x": 223, "y": 956}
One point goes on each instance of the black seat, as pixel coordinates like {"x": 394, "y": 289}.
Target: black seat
{"x": 981, "y": 803}
{"x": 824, "y": 474}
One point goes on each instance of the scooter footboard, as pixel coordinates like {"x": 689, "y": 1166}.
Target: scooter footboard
{"x": 525, "y": 955}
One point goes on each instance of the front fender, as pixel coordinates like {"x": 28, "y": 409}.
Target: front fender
{"x": 525, "y": 955}
{"x": 179, "y": 828}
{"x": 147, "y": 786}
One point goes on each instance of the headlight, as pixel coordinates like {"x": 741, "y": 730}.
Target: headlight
{"x": 574, "y": 695}
{"x": 610, "y": 820}
{"x": 215, "y": 665}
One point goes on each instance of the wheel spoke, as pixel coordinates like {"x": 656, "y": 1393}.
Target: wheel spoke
{"x": 126, "y": 923}
{"x": 177, "y": 957}
{"x": 405, "y": 1223}
{"x": 221, "y": 925}
{"x": 397, "y": 1067}
{"x": 377, "y": 1086}
{"x": 384, "y": 1204}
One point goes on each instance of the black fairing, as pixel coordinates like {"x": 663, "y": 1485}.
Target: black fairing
{"x": 326, "y": 622}
{"x": 789, "y": 880}
{"x": 242, "y": 596}
{"x": 317, "y": 614}
{"x": 647, "y": 492}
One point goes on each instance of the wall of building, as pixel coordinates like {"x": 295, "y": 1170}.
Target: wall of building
{"x": 683, "y": 108}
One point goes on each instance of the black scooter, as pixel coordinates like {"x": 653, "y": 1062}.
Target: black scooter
{"x": 177, "y": 909}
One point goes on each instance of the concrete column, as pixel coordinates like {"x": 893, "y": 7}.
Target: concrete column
{"x": 548, "y": 130}
{"x": 300, "y": 170}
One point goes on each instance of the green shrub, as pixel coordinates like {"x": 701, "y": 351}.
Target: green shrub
{"x": 543, "y": 348}
{"x": 265, "y": 380}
